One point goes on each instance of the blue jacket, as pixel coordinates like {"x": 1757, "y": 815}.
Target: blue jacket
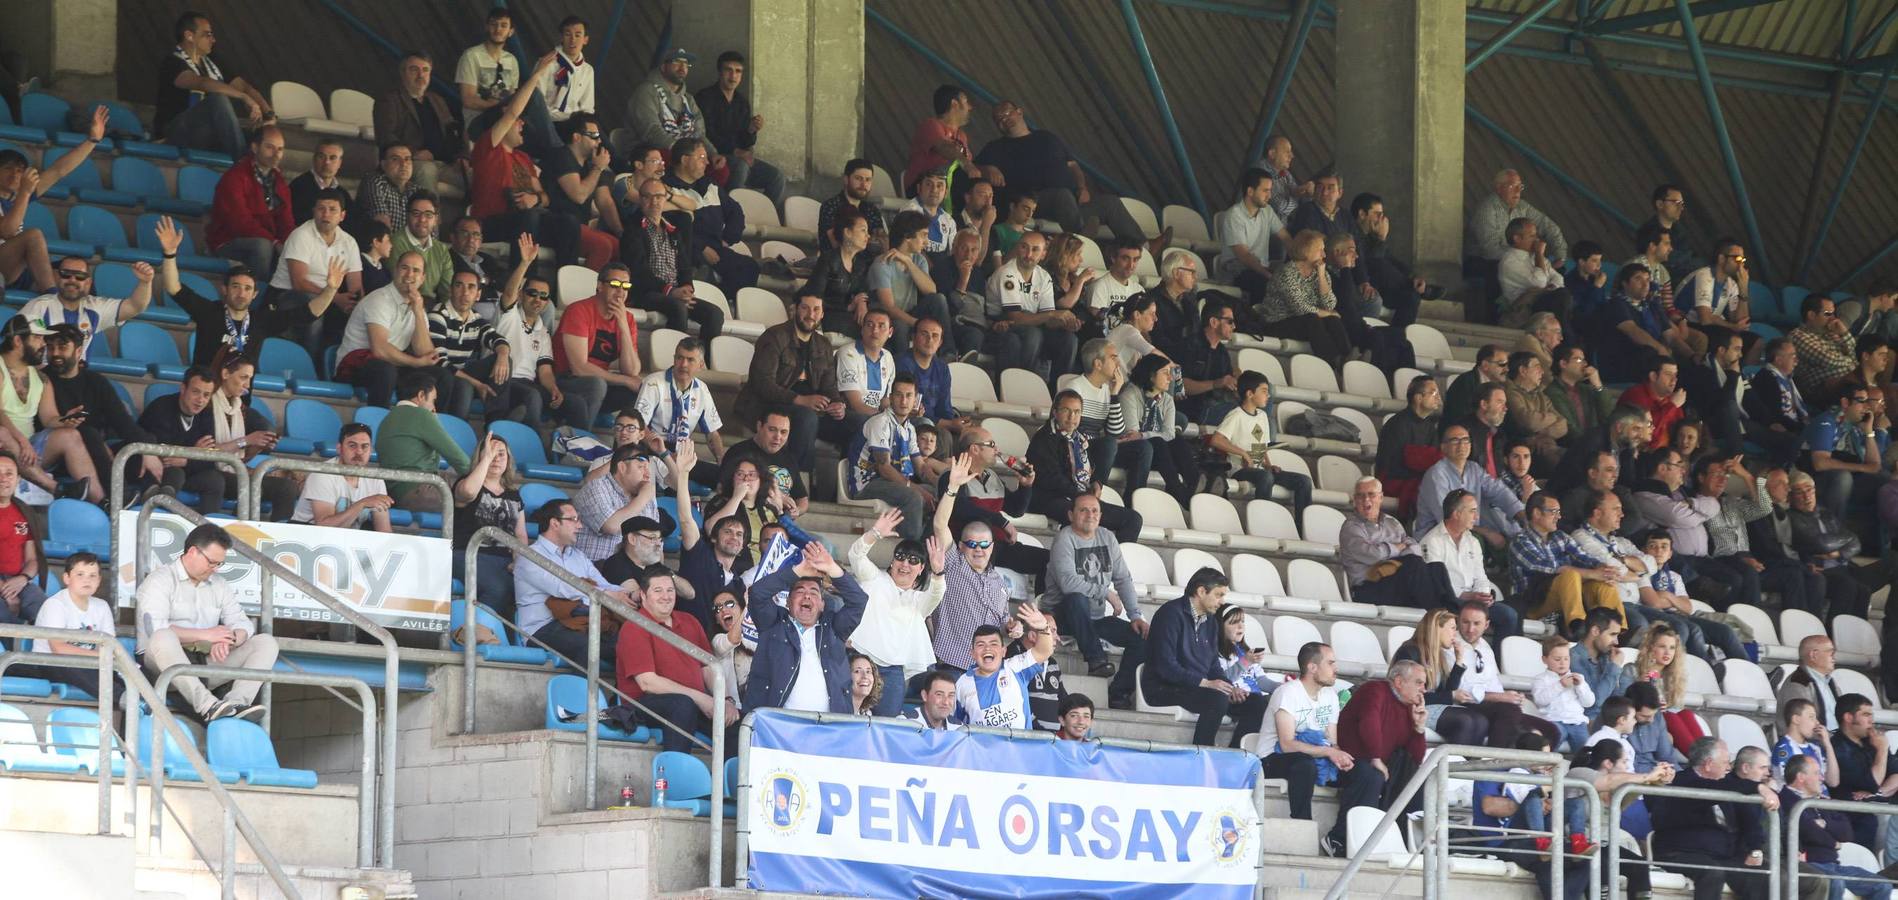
{"x": 1179, "y": 651}
{"x": 774, "y": 667}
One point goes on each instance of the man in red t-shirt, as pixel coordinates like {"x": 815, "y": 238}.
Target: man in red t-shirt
{"x": 663, "y": 678}
{"x": 505, "y": 190}
{"x": 20, "y": 593}
{"x": 939, "y": 141}
{"x": 598, "y": 344}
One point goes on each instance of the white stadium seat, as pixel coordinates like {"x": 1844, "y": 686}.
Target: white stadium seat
{"x": 1109, "y": 495}
{"x": 1253, "y": 359}
{"x": 1187, "y": 561}
{"x": 663, "y": 341}
{"x": 1313, "y": 374}
{"x": 1293, "y": 632}
{"x": 1739, "y": 731}
{"x": 801, "y": 213}
{"x": 1700, "y": 677}
{"x": 1427, "y": 342}
{"x": 1140, "y": 696}
{"x": 757, "y": 207}
{"x": 1742, "y": 678}
{"x": 1365, "y": 380}
{"x": 731, "y": 354}
{"x": 1187, "y": 224}
{"x": 353, "y": 107}
{"x": 1010, "y": 438}
{"x": 1401, "y": 379}
{"x": 1796, "y": 624}
{"x": 1024, "y": 388}
{"x": 1146, "y": 568}
{"x": 1521, "y": 656}
{"x": 1256, "y": 575}
{"x": 1312, "y": 580}
{"x": 1356, "y": 643}
{"x": 1323, "y": 524}
{"x": 576, "y": 284}
{"x": 970, "y": 383}
{"x": 783, "y": 250}
{"x": 1142, "y": 215}
{"x": 1852, "y": 681}
{"x": 881, "y": 184}
{"x": 1761, "y": 621}
{"x": 1162, "y": 513}
{"x": 1216, "y": 514}
{"x": 1335, "y": 473}
{"x": 1853, "y": 634}
{"x": 1367, "y": 429}
{"x": 707, "y": 292}
{"x": 760, "y": 306}
{"x": 1397, "y": 636}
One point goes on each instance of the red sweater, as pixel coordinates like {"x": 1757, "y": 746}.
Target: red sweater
{"x": 238, "y": 209}
{"x": 1375, "y": 723}
{"x": 1663, "y": 410}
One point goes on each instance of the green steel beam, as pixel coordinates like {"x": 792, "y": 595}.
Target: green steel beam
{"x": 1665, "y": 16}
{"x": 1877, "y": 33}
{"x": 1230, "y": 9}
{"x": 1643, "y": 132}
{"x": 1305, "y": 16}
{"x": 1543, "y": 163}
{"x": 1865, "y": 265}
{"x": 1809, "y": 207}
{"x": 1845, "y": 177}
{"x": 1180, "y": 156}
{"x": 1502, "y": 38}
{"x": 1660, "y": 42}
{"x": 1754, "y": 241}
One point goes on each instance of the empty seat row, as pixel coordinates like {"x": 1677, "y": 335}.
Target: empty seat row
{"x": 45, "y": 119}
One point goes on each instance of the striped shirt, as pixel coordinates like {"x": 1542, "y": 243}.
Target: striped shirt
{"x": 1100, "y": 409}
{"x": 461, "y": 341}
{"x": 970, "y": 599}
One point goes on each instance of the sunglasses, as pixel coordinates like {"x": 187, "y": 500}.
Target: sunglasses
{"x": 914, "y": 559}
{"x": 979, "y": 545}
{"x": 75, "y": 276}
{"x": 590, "y": 135}
{"x": 729, "y": 604}
{"x": 538, "y": 295}
{"x": 616, "y": 283}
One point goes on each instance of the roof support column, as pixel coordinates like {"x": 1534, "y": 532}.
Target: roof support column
{"x": 1756, "y": 245}
{"x": 1399, "y": 121}
{"x": 74, "y": 40}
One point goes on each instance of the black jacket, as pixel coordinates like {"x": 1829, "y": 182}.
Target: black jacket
{"x": 1056, "y": 479}
{"x": 1762, "y": 403}
{"x": 1705, "y": 395}
{"x": 1820, "y": 830}
{"x": 635, "y": 250}
{"x": 1690, "y": 826}
{"x": 1820, "y": 531}
{"x": 106, "y": 415}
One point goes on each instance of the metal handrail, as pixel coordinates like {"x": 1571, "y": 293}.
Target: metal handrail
{"x": 1769, "y": 868}
{"x": 365, "y": 798}
{"x": 1432, "y": 770}
{"x": 741, "y": 877}
{"x": 1559, "y": 785}
{"x": 1792, "y": 873}
{"x": 128, "y": 452}
{"x": 600, "y": 600}
{"x": 128, "y": 669}
{"x": 391, "y": 653}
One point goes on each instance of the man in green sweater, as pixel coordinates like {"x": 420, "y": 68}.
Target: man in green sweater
{"x": 418, "y": 234}
{"x": 411, "y": 437}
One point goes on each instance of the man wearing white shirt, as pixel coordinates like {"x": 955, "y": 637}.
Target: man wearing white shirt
{"x": 1483, "y": 679}
{"x": 530, "y": 380}
{"x": 387, "y": 330}
{"x": 1245, "y": 231}
{"x": 1530, "y": 283}
{"x": 568, "y": 86}
{"x": 310, "y": 247}
{"x": 1307, "y": 705}
{"x": 1454, "y": 544}
{"x": 74, "y": 303}
{"x": 1120, "y": 282}
{"x": 883, "y": 461}
{"x": 675, "y": 403}
{"x": 346, "y": 501}
{"x": 865, "y": 370}
{"x": 1021, "y": 301}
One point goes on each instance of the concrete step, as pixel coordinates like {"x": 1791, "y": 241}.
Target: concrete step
{"x": 193, "y": 879}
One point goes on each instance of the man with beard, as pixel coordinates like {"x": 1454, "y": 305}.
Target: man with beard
{"x": 73, "y": 301}
{"x": 22, "y": 347}
{"x": 765, "y": 447}
{"x": 794, "y": 371}
{"x": 87, "y": 398}
{"x": 859, "y": 175}
{"x": 233, "y": 320}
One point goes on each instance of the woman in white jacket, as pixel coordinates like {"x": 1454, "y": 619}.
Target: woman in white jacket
{"x": 894, "y": 633}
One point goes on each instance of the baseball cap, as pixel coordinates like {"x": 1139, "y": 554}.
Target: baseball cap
{"x": 679, "y": 53}
{"x": 66, "y": 331}
{"x": 19, "y": 325}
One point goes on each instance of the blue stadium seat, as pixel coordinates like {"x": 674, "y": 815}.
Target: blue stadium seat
{"x": 311, "y": 428}
{"x": 14, "y": 131}
{"x": 688, "y": 782}
{"x": 535, "y": 494}
{"x": 459, "y": 429}
{"x": 198, "y": 284}
{"x": 371, "y": 416}
{"x": 20, "y": 749}
{"x": 731, "y": 788}
{"x": 146, "y": 229}
{"x": 44, "y": 111}
{"x": 197, "y": 184}
{"x": 508, "y": 651}
{"x": 125, "y": 396}
{"x": 38, "y": 216}
{"x": 288, "y": 360}
{"x": 146, "y": 343}
{"x": 670, "y": 504}
{"x": 75, "y": 525}
{"x": 1765, "y": 331}
{"x": 102, "y": 229}
{"x": 567, "y": 709}
{"x": 177, "y": 765}
{"x": 17, "y": 686}
{"x": 74, "y": 731}
{"x": 237, "y": 744}
{"x": 210, "y": 158}
{"x": 257, "y": 404}
{"x": 147, "y": 150}
{"x": 160, "y": 389}
{"x": 113, "y": 280}
{"x": 121, "y": 121}
{"x": 140, "y": 177}
{"x": 530, "y": 455}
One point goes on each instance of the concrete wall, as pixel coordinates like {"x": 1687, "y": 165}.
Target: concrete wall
{"x": 74, "y": 40}
{"x": 45, "y": 864}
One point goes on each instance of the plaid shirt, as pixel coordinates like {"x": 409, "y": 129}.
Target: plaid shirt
{"x": 1530, "y": 555}
{"x": 381, "y": 197}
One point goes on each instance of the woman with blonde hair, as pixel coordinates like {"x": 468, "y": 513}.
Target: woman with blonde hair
{"x": 1300, "y": 305}
{"x": 1435, "y": 647}
{"x": 1662, "y": 663}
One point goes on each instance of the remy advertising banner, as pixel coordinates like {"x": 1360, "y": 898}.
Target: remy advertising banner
{"x": 400, "y": 580}
{"x": 888, "y": 811}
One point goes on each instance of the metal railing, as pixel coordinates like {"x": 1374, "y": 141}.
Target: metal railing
{"x": 129, "y": 452}
{"x": 599, "y": 600}
{"x": 1792, "y": 873}
{"x": 385, "y": 846}
{"x": 366, "y": 794}
{"x": 741, "y": 875}
{"x": 114, "y": 657}
{"x": 1770, "y": 868}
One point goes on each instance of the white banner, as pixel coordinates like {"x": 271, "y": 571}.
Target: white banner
{"x": 400, "y": 580}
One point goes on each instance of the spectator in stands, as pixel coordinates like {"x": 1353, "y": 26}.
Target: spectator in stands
{"x": 176, "y": 419}
{"x": 488, "y": 496}
{"x": 1058, "y": 453}
{"x": 1398, "y": 286}
{"x": 939, "y": 141}
{"x": 883, "y": 459}
{"x": 307, "y": 254}
{"x": 1037, "y": 162}
{"x": 1322, "y": 212}
{"x": 1488, "y": 444}
{"x": 1287, "y": 190}
{"x": 676, "y": 404}
{"x": 922, "y": 361}
{"x": 1382, "y": 728}
{"x": 1574, "y": 390}
{"x": 842, "y": 273}
{"x": 325, "y": 162}
{"x": 1077, "y": 717}
{"x": 937, "y": 225}
{"x": 385, "y": 195}
{"x": 803, "y": 630}
{"x": 989, "y": 500}
{"x": 599, "y": 342}
{"x": 977, "y": 213}
{"x": 1245, "y": 232}
{"x": 975, "y": 595}
{"x": 1407, "y": 443}
{"x": 1452, "y": 546}
{"x": 1383, "y": 343}
{"x": 1153, "y": 440}
{"x": 38, "y": 435}
{"x": 1117, "y": 285}
{"x": 490, "y": 81}
{"x": 1821, "y": 831}
{"x": 661, "y": 110}
{"x": 1659, "y": 498}
{"x": 1821, "y": 539}
{"x": 1562, "y": 695}
{"x": 1662, "y": 663}
{"x": 531, "y": 381}
{"x": 1587, "y": 285}
{"x": 657, "y": 251}
{"x": 411, "y": 437}
{"x": 1849, "y": 444}
{"x": 1531, "y": 416}
{"x": 793, "y": 370}
{"x": 1483, "y": 680}
{"x": 732, "y": 129}
{"x": 894, "y": 634}
{"x": 1708, "y": 832}
{"x": 22, "y": 249}
{"x": 1540, "y": 339}
{"x": 1299, "y": 304}
{"x": 1594, "y": 655}
{"x": 1139, "y": 314}
{"x": 1826, "y": 349}
{"x": 474, "y": 360}
{"x": 1176, "y": 304}
{"x": 668, "y": 683}
{"x": 1088, "y": 575}
{"x": 1776, "y": 413}
{"x": 898, "y": 282}
{"x": 250, "y": 209}
{"x": 1303, "y": 720}
{"x": 1660, "y": 395}
{"x": 1664, "y": 597}
{"x": 1551, "y": 576}
{"x": 388, "y": 333}
{"x": 576, "y": 180}
{"x": 546, "y": 609}
{"x": 21, "y": 592}
{"x": 1445, "y": 661}
{"x": 568, "y": 88}
{"x": 74, "y": 608}
{"x": 87, "y": 400}
{"x": 504, "y": 189}
{"x": 1184, "y": 669}
{"x": 1654, "y": 243}
{"x": 1652, "y": 747}
{"x": 1023, "y": 305}
{"x": 865, "y": 371}
{"x": 1874, "y": 355}
{"x": 1531, "y": 281}
{"x": 1800, "y": 734}
{"x": 1860, "y": 758}
{"x": 350, "y": 501}
{"x": 766, "y": 448}
{"x": 629, "y": 490}
{"x": 759, "y": 503}
{"x": 413, "y": 117}
{"x": 1245, "y": 436}
{"x": 1812, "y": 680}
{"x": 1500, "y": 509}
{"x": 1681, "y": 256}
{"x": 859, "y": 178}
{"x": 1716, "y": 390}
{"x": 1637, "y": 324}
{"x": 719, "y": 222}
{"x": 1492, "y": 367}
{"x": 187, "y": 615}
{"x": 416, "y": 232}
{"x": 938, "y": 707}
{"x": 1490, "y": 221}
{"x": 1602, "y": 475}
{"x": 196, "y": 94}
{"x": 1743, "y": 499}
{"x": 1102, "y": 423}
{"x": 75, "y": 304}
{"x": 994, "y": 692}
{"x": 238, "y": 427}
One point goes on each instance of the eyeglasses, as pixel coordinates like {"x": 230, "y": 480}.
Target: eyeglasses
{"x": 616, "y": 283}
{"x": 979, "y": 545}
{"x": 989, "y": 444}
{"x": 1673, "y": 202}
{"x": 538, "y": 295}
{"x": 647, "y": 536}
{"x": 423, "y": 213}
{"x": 914, "y": 559}
{"x": 574, "y": 518}
{"x": 626, "y": 426}
{"x": 74, "y": 276}
{"x": 1461, "y": 440}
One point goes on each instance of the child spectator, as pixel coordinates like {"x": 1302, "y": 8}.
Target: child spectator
{"x": 1802, "y": 734}
{"x": 1617, "y": 722}
{"x": 1077, "y": 718}
{"x": 1563, "y": 696}
{"x": 75, "y": 608}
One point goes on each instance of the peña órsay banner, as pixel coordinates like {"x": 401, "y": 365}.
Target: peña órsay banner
{"x": 883, "y": 810}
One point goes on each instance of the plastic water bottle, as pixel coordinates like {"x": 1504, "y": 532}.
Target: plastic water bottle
{"x": 659, "y": 788}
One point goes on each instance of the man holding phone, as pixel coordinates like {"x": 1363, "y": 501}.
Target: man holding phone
{"x": 86, "y": 401}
